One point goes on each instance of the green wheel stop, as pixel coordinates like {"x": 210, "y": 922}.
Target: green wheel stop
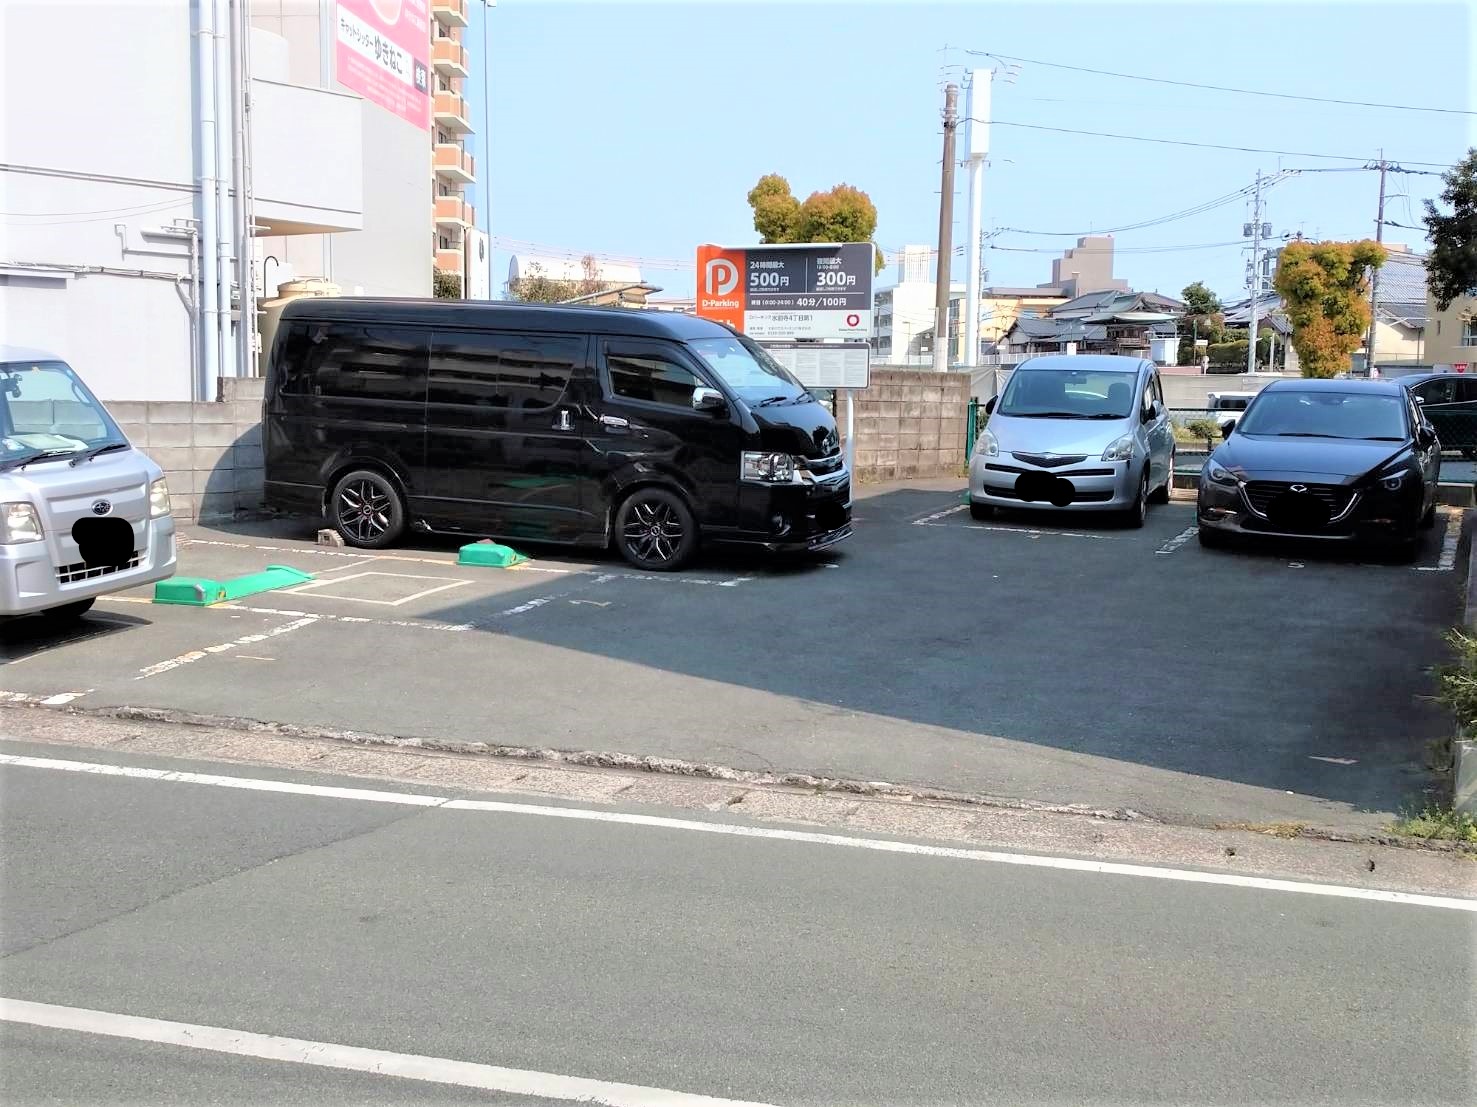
{"x": 489, "y": 555}
{"x": 202, "y": 591}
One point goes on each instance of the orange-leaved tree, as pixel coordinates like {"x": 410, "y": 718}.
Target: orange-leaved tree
{"x": 1325, "y": 286}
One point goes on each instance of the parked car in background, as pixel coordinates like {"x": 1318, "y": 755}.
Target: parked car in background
{"x": 1327, "y": 459}
{"x": 1075, "y": 433}
{"x": 1226, "y": 407}
{"x": 82, "y": 513}
{"x": 1449, "y": 401}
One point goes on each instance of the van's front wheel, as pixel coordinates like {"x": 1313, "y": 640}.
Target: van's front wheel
{"x": 655, "y": 530}
{"x": 367, "y": 510}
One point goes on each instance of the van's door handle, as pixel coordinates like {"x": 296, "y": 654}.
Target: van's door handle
{"x": 614, "y": 421}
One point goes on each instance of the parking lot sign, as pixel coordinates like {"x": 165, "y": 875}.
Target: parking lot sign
{"x": 785, "y": 293}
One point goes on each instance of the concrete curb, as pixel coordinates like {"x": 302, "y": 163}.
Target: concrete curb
{"x": 1464, "y": 749}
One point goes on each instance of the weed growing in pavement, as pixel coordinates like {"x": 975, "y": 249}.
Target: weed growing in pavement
{"x": 1439, "y": 823}
{"x": 1459, "y": 680}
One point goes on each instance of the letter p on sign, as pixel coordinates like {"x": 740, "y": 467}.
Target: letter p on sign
{"x": 721, "y": 295}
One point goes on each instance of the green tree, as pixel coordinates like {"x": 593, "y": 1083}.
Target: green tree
{"x": 1200, "y": 300}
{"x": 445, "y": 286}
{"x": 842, "y": 214}
{"x": 1325, "y": 286}
{"x": 1451, "y": 267}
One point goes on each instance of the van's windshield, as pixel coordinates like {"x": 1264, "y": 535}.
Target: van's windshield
{"x": 47, "y": 412}
{"x": 1068, "y": 394}
{"x": 748, "y": 369}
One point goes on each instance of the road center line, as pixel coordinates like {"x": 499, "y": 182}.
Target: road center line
{"x": 409, "y": 1066}
{"x": 880, "y": 845}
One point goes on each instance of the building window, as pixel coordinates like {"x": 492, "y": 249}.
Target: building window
{"x": 1469, "y": 331}
{"x": 445, "y": 243}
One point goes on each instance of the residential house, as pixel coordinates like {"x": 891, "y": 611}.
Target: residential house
{"x": 1401, "y": 311}
{"x": 1108, "y": 321}
{"x": 1451, "y": 335}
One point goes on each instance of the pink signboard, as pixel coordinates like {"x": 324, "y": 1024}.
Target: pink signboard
{"x": 383, "y": 54}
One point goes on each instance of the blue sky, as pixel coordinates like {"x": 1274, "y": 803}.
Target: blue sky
{"x": 636, "y": 129}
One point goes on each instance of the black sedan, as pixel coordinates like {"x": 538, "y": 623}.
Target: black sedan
{"x": 1324, "y": 459}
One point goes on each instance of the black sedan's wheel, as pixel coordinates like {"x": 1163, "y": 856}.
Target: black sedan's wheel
{"x": 655, "y": 530}
{"x": 367, "y": 510}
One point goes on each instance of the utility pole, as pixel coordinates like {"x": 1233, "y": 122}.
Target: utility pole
{"x": 946, "y": 234}
{"x": 1374, "y": 277}
{"x": 977, "y": 146}
{"x": 1254, "y": 278}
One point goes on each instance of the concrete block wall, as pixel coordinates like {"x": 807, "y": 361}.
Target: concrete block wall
{"x": 211, "y": 453}
{"x": 909, "y": 423}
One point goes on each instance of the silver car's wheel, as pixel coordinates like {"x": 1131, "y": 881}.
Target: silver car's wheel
{"x": 1138, "y": 514}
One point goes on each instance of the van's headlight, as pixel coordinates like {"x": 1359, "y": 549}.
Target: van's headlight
{"x": 988, "y": 445}
{"x": 159, "y": 499}
{"x": 19, "y": 523}
{"x": 1121, "y": 449}
{"x": 767, "y": 468}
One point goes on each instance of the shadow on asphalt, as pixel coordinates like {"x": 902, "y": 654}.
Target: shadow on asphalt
{"x": 1288, "y": 668}
{"x": 25, "y": 637}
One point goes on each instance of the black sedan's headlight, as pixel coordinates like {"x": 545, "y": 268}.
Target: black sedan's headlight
{"x": 1216, "y": 473}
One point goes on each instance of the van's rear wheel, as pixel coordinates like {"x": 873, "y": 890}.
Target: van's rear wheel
{"x": 366, "y": 509}
{"x": 655, "y": 530}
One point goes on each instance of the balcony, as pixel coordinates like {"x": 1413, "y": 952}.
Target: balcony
{"x": 450, "y": 261}
{"x": 452, "y": 13}
{"x": 453, "y": 211}
{"x": 454, "y": 163}
{"x": 451, "y": 112}
{"x": 449, "y": 57}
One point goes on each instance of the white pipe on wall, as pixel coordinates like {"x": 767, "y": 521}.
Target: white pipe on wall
{"x": 208, "y": 303}
{"x": 240, "y": 221}
{"x": 225, "y": 183}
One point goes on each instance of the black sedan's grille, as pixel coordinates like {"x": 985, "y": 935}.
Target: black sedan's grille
{"x": 1262, "y": 494}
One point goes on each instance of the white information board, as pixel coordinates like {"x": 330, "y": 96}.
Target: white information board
{"x": 825, "y": 364}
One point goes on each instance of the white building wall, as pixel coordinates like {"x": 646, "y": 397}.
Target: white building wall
{"x": 108, "y": 157}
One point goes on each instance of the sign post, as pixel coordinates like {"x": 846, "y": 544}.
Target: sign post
{"x": 809, "y": 304}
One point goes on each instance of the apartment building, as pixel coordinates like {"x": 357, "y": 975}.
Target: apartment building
{"x": 452, "y": 168}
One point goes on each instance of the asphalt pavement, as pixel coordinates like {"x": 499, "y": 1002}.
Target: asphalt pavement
{"x": 751, "y": 965}
{"x": 1052, "y": 660}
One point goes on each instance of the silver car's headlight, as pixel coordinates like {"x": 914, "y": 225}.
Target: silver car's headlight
{"x": 1217, "y": 473}
{"x": 988, "y": 445}
{"x": 1121, "y": 449}
{"x": 19, "y": 523}
{"x": 159, "y": 499}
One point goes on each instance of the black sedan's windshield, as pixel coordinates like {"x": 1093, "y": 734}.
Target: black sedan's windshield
{"x": 747, "y": 369}
{"x": 1292, "y": 414}
{"x": 1068, "y": 394}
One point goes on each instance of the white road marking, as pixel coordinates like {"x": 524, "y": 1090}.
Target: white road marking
{"x": 192, "y": 656}
{"x": 446, "y": 803}
{"x": 1177, "y": 541}
{"x": 955, "y": 510}
{"x": 1335, "y": 760}
{"x": 1453, "y": 538}
{"x": 1033, "y": 532}
{"x": 234, "y": 610}
{"x": 409, "y": 1066}
{"x": 317, "y": 586}
{"x": 56, "y": 700}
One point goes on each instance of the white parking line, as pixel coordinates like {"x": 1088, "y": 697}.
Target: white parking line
{"x": 57, "y": 700}
{"x": 414, "y": 624}
{"x": 409, "y": 1066}
{"x": 1177, "y": 541}
{"x": 192, "y": 656}
{"x": 317, "y": 586}
{"x": 1447, "y": 560}
{"x": 738, "y": 830}
{"x": 955, "y": 510}
{"x": 1032, "y": 531}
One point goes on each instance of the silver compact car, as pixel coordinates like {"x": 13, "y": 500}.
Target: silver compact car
{"x": 1075, "y": 433}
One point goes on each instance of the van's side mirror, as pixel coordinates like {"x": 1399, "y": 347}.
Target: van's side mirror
{"x": 708, "y": 399}
{"x": 990, "y": 405}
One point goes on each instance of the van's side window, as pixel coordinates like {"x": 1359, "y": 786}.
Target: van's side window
{"x": 349, "y": 361}
{"x": 651, "y": 377}
{"x": 525, "y": 372}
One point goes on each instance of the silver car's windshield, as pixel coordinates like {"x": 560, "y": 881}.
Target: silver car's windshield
{"x": 1326, "y": 415}
{"x": 46, "y": 411}
{"x": 1068, "y": 394}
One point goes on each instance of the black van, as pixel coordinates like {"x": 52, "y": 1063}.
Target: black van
{"x": 551, "y": 424}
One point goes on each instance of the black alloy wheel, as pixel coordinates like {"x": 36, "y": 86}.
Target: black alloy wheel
{"x": 655, "y": 530}
{"x": 366, "y": 509}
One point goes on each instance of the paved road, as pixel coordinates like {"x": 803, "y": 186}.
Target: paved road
{"x": 759, "y": 969}
{"x": 1076, "y": 663}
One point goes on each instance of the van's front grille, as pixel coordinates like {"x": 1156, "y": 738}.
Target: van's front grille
{"x": 71, "y": 574}
{"x": 824, "y": 466}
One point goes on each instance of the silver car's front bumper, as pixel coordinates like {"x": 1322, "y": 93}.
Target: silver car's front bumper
{"x": 1094, "y": 485}
{"x": 30, "y": 581}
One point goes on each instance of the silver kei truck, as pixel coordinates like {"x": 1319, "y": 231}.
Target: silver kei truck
{"x": 82, "y": 513}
